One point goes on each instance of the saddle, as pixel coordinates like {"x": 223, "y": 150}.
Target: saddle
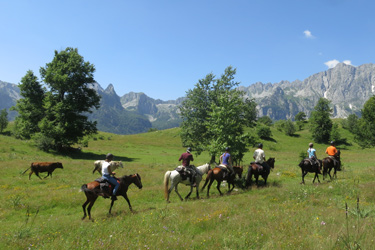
{"x": 259, "y": 166}
{"x": 106, "y": 188}
{"x": 185, "y": 172}
{"x": 226, "y": 172}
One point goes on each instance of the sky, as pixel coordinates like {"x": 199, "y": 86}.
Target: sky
{"x": 164, "y": 47}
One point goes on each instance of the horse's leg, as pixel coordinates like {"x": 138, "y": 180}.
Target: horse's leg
{"x": 48, "y": 175}
{"x": 316, "y": 176}
{"x": 218, "y": 186}
{"x": 191, "y": 190}
{"x": 127, "y": 199}
{"x": 209, "y": 186}
{"x": 31, "y": 174}
{"x": 303, "y": 176}
{"x": 90, "y": 206}
{"x": 175, "y": 189}
{"x": 84, "y": 207}
{"x": 37, "y": 174}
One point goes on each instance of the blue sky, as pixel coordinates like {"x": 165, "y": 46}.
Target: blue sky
{"x": 162, "y": 48}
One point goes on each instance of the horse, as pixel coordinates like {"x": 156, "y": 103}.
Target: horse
{"x": 328, "y": 164}
{"x": 92, "y": 192}
{"x": 307, "y": 167}
{"x": 114, "y": 165}
{"x": 257, "y": 170}
{"x": 218, "y": 174}
{"x": 175, "y": 178}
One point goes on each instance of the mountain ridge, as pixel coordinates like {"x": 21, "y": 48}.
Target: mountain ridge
{"x": 346, "y": 86}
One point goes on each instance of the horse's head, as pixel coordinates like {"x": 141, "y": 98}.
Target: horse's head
{"x": 59, "y": 165}
{"x": 120, "y": 164}
{"x": 271, "y": 162}
{"x": 138, "y": 181}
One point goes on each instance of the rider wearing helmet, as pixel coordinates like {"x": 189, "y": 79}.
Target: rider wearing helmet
{"x": 260, "y": 157}
{"x": 186, "y": 158}
{"x": 226, "y": 160}
{"x": 312, "y": 156}
{"x": 107, "y": 172}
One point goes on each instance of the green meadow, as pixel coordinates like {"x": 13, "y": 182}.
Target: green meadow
{"x": 46, "y": 214}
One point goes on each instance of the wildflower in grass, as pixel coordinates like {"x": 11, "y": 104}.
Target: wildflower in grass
{"x": 322, "y": 223}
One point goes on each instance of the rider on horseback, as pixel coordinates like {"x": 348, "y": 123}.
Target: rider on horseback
{"x": 260, "y": 157}
{"x": 312, "y": 157}
{"x": 226, "y": 160}
{"x": 186, "y": 158}
{"x": 107, "y": 172}
{"x": 331, "y": 151}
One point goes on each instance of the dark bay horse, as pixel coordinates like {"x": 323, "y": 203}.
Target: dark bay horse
{"x": 257, "y": 170}
{"x": 328, "y": 164}
{"x": 307, "y": 167}
{"x": 218, "y": 174}
{"x": 92, "y": 192}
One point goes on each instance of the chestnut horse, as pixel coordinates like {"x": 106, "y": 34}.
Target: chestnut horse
{"x": 328, "y": 164}
{"x": 257, "y": 170}
{"x": 307, "y": 167}
{"x": 92, "y": 191}
{"x": 218, "y": 174}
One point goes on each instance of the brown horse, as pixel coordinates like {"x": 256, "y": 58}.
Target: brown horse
{"x": 257, "y": 170}
{"x": 307, "y": 167}
{"x": 218, "y": 174}
{"x": 328, "y": 164}
{"x": 92, "y": 191}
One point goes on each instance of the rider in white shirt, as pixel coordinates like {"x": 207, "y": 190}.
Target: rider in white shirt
{"x": 107, "y": 172}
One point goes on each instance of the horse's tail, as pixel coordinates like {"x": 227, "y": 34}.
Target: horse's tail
{"x": 27, "y": 169}
{"x": 301, "y": 163}
{"x": 84, "y": 188}
{"x": 166, "y": 183}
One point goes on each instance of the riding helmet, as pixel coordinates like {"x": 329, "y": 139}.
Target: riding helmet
{"x": 260, "y": 145}
{"x": 332, "y": 143}
{"x": 109, "y": 156}
{"x": 311, "y": 144}
{"x": 227, "y": 149}
{"x": 188, "y": 149}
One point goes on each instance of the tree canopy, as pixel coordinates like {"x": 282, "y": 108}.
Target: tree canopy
{"x": 365, "y": 126}
{"x": 57, "y": 116}
{"x": 214, "y": 115}
{"x": 320, "y": 122}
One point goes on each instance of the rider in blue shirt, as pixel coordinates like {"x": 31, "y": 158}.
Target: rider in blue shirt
{"x": 226, "y": 159}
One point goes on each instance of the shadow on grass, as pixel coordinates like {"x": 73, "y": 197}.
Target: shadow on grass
{"x": 77, "y": 154}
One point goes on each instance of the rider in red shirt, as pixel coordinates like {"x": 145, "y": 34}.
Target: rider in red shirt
{"x": 186, "y": 158}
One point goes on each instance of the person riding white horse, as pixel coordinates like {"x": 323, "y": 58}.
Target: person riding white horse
{"x": 186, "y": 158}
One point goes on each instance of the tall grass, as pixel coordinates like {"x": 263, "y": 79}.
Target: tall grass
{"x": 46, "y": 214}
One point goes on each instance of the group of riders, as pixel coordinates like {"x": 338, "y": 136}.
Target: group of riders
{"x": 331, "y": 151}
{"x": 188, "y": 170}
{"x": 225, "y": 163}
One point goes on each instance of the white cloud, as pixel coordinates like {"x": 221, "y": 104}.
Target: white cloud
{"x": 308, "y": 34}
{"x": 334, "y": 62}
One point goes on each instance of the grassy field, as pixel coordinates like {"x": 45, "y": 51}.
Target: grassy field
{"x": 46, "y": 214}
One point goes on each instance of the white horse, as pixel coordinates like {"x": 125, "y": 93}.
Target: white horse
{"x": 175, "y": 178}
{"x": 114, "y": 165}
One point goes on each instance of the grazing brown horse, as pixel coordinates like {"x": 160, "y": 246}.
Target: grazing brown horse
{"x": 92, "y": 192}
{"x": 307, "y": 167}
{"x": 218, "y": 174}
{"x": 257, "y": 170}
{"x": 328, "y": 164}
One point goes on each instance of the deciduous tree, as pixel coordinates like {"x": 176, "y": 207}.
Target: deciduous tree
{"x": 214, "y": 115}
